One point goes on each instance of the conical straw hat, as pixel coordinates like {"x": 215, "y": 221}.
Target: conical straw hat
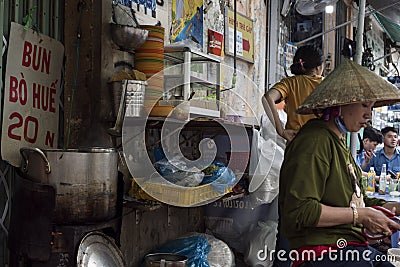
{"x": 350, "y": 83}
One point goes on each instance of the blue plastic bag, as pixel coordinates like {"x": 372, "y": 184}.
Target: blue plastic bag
{"x": 125, "y": 2}
{"x": 195, "y": 248}
{"x": 158, "y": 153}
{"x": 221, "y": 179}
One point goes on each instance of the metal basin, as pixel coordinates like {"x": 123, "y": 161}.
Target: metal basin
{"x": 128, "y": 38}
{"x": 97, "y": 249}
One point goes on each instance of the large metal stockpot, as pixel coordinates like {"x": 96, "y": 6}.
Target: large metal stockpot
{"x": 85, "y": 181}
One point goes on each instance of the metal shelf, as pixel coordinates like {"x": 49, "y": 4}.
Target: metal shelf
{"x": 179, "y": 54}
{"x": 176, "y": 52}
{"x": 178, "y": 79}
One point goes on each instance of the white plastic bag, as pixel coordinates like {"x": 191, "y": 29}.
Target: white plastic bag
{"x": 267, "y": 151}
{"x": 220, "y": 254}
{"x": 261, "y": 242}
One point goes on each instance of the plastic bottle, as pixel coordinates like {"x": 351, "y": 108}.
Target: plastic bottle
{"x": 382, "y": 180}
{"x": 371, "y": 180}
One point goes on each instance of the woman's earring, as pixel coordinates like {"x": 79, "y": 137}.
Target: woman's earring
{"x": 335, "y": 112}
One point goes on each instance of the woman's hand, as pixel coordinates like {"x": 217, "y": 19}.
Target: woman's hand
{"x": 376, "y": 222}
{"x": 288, "y": 135}
{"x": 393, "y": 207}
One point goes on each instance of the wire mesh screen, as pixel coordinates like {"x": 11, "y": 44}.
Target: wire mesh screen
{"x": 6, "y": 174}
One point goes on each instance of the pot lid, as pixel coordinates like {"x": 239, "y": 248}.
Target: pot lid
{"x": 97, "y": 249}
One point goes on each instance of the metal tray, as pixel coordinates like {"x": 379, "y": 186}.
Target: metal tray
{"x": 98, "y": 249}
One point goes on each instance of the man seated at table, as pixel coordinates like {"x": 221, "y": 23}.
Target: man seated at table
{"x": 371, "y": 138}
{"x": 389, "y": 154}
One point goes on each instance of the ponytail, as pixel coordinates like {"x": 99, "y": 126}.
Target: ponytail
{"x": 306, "y": 58}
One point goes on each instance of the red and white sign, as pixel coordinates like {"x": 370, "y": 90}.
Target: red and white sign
{"x": 215, "y": 41}
{"x": 31, "y": 92}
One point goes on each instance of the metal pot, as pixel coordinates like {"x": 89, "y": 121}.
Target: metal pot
{"x": 85, "y": 181}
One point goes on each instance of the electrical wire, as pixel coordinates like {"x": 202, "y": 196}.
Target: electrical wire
{"x": 395, "y": 67}
{"x": 81, "y": 6}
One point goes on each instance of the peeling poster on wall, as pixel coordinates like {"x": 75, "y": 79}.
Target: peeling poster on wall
{"x": 187, "y": 21}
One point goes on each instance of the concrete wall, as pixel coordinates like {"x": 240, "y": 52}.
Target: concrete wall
{"x": 87, "y": 126}
{"x": 329, "y": 42}
{"x": 91, "y": 107}
{"x": 376, "y": 42}
{"x": 250, "y": 76}
{"x": 143, "y": 230}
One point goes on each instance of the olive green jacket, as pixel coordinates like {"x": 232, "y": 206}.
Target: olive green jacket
{"x": 314, "y": 172}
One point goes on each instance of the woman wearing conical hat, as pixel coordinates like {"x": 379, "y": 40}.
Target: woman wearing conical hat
{"x": 322, "y": 204}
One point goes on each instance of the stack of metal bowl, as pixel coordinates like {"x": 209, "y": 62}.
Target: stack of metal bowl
{"x": 128, "y": 38}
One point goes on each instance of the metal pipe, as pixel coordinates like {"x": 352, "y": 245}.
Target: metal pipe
{"x": 272, "y": 52}
{"x": 360, "y": 31}
{"x": 234, "y": 43}
{"x": 186, "y": 74}
{"x": 345, "y": 23}
{"x": 234, "y": 33}
{"x": 267, "y": 47}
{"x": 1, "y": 43}
{"x": 6, "y": 17}
{"x": 45, "y": 17}
{"x": 384, "y": 56}
{"x": 357, "y": 59}
{"x": 33, "y": 7}
{"x": 17, "y": 12}
{"x": 117, "y": 129}
{"x": 56, "y": 20}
